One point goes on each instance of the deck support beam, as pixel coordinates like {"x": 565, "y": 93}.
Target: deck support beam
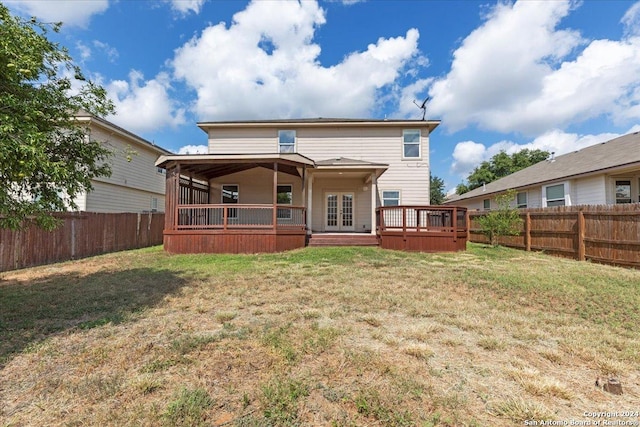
{"x": 275, "y": 195}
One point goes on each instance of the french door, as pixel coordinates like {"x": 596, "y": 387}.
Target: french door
{"x": 339, "y": 209}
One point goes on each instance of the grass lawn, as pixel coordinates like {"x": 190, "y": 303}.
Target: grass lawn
{"x": 319, "y": 336}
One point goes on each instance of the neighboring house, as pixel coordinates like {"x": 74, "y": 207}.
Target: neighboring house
{"x": 135, "y": 184}
{"x": 265, "y": 184}
{"x": 605, "y": 173}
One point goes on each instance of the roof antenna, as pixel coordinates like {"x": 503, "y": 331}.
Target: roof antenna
{"x": 422, "y": 106}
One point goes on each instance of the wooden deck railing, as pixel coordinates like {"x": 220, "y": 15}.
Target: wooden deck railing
{"x": 236, "y": 216}
{"x": 416, "y": 219}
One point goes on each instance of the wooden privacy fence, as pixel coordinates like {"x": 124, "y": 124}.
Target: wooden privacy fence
{"x": 605, "y": 233}
{"x": 81, "y": 234}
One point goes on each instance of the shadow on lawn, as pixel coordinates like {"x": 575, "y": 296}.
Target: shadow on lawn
{"x": 32, "y": 311}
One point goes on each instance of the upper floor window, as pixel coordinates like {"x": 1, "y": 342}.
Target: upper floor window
{"x": 486, "y": 204}
{"x": 521, "y": 200}
{"x": 411, "y": 144}
{"x": 286, "y": 141}
{"x": 623, "y": 191}
{"x": 555, "y": 195}
{"x": 391, "y": 198}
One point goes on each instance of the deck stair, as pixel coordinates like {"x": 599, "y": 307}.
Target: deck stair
{"x": 343, "y": 239}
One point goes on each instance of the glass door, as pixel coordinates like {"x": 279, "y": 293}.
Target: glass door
{"x": 339, "y": 211}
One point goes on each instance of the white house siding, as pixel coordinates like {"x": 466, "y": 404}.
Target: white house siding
{"x": 362, "y": 201}
{"x": 589, "y": 191}
{"x": 377, "y": 145}
{"x": 137, "y": 172}
{"x": 107, "y": 197}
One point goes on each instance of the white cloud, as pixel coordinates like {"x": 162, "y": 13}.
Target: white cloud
{"x": 469, "y": 154}
{"x": 187, "y": 6}
{"x": 143, "y": 106}
{"x": 73, "y": 13}
{"x": 265, "y": 65}
{"x": 194, "y": 149}
{"x": 85, "y": 51}
{"x": 514, "y": 73}
{"x": 631, "y": 20}
{"x": 110, "y": 52}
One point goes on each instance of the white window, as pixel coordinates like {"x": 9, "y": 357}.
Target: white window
{"x": 521, "y": 200}
{"x": 286, "y": 141}
{"x": 623, "y": 191}
{"x": 411, "y": 144}
{"x": 284, "y": 197}
{"x": 486, "y": 204}
{"x": 555, "y": 195}
{"x": 231, "y": 195}
{"x": 154, "y": 204}
{"x": 160, "y": 170}
{"x": 391, "y": 198}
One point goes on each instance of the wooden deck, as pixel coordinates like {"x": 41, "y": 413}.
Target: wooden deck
{"x": 422, "y": 228}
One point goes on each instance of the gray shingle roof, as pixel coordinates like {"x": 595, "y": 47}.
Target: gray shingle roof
{"x": 617, "y": 152}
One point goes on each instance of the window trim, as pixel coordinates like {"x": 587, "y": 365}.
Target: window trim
{"x": 615, "y": 191}
{"x": 279, "y": 212}
{"x": 233, "y": 213}
{"x": 405, "y": 143}
{"x": 566, "y": 198}
{"x": 486, "y": 202}
{"x": 384, "y": 199}
{"x": 294, "y": 144}
{"x": 526, "y": 200}
{"x": 154, "y": 204}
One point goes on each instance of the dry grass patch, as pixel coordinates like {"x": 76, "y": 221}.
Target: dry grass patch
{"x": 326, "y": 336}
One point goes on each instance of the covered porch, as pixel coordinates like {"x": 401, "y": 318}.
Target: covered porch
{"x": 203, "y": 214}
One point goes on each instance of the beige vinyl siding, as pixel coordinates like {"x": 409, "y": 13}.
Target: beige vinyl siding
{"x": 139, "y": 172}
{"x": 590, "y": 190}
{"x": 362, "y": 201}
{"x": 243, "y": 141}
{"x": 81, "y": 202}
{"x": 377, "y": 145}
{"x": 256, "y": 186}
{"x": 107, "y": 197}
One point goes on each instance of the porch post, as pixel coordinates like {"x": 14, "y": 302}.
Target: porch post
{"x": 275, "y": 195}
{"x": 177, "y": 198}
{"x": 374, "y": 193}
{"x": 304, "y": 193}
{"x": 309, "y": 203}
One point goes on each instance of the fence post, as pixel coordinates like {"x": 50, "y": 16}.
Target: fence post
{"x": 73, "y": 237}
{"x": 527, "y": 232}
{"x": 581, "y": 227}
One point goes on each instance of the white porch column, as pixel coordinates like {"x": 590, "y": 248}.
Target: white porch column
{"x": 374, "y": 194}
{"x": 309, "y": 203}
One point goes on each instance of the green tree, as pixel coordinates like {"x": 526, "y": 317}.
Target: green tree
{"x": 501, "y": 165}
{"x": 503, "y": 221}
{"x": 47, "y": 158}
{"x": 436, "y": 190}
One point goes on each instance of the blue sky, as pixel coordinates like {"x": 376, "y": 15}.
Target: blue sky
{"x": 556, "y": 75}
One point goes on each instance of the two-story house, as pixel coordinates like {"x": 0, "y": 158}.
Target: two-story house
{"x": 269, "y": 185}
{"x": 136, "y": 184}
